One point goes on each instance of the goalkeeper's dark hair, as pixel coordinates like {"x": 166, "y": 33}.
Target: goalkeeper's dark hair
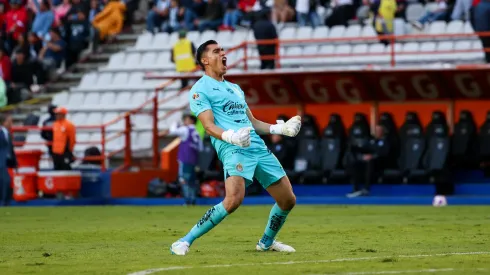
{"x": 203, "y": 49}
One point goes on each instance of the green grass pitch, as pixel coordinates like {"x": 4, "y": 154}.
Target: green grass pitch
{"x": 354, "y": 240}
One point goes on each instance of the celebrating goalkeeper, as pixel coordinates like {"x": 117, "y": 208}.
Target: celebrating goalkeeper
{"x": 221, "y": 107}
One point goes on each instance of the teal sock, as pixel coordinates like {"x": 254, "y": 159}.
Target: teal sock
{"x": 277, "y": 217}
{"x": 212, "y": 217}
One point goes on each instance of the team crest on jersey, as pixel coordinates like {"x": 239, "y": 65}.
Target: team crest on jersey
{"x": 195, "y": 96}
{"x": 229, "y": 90}
{"x": 239, "y": 167}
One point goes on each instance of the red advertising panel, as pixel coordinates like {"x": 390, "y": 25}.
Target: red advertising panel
{"x": 370, "y": 85}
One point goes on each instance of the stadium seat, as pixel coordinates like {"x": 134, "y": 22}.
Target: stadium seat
{"x": 337, "y": 32}
{"x": 207, "y": 35}
{"x": 455, "y": 27}
{"x": 320, "y": 32}
{"x": 447, "y": 47}
{"x": 369, "y": 34}
{"x": 399, "y": 27}
{"x": 304, "y": 33}
{"x": 78, "y": 118}
{"x": 108, "y": 98}
{"x": 93, "y": 118}
{"x": 484, "y": 140}
{"x": 464, "y": 145}
{"x": 387, "y": 122}
{"x": 80, "y": 146}
{"x": 225, "y": 39}
{"x": 411, "y": 151}
{"x": 437, "y": 28}
{"x": 88, "y": 80}
{"x": 292, "y": 51}
{"x": 287, "y": 33}
{"x": 414, "y": 12}
{"x": 343, "y": 58}
{"x": 143, "y": 41}
{"x": 194, "y": 37}
{"x": 468, "y": 29}
{"x": 408, "y": 53}
{"x": 378, "y": 54}
{"x": 91, "y": 102}
{"x": 74, "y": 100}
{"x": 411, "y": 124}
{"x": 306, "y": 158}
{"x": 353, "y": 31}
{"x": 117, "y": 60}
{"x": 435, "y": 157}
{"x": 359, "y": 52}
{"x": 438, "y": 122}
{"x": 35, "y": 137}
{"x": 428, "y": 52}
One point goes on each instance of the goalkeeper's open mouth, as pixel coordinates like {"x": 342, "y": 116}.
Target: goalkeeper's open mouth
{"x": 223, "y": 61}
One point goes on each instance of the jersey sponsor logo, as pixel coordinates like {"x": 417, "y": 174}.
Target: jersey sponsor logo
{"x": 239, "y": 167}
{"x": 242, "y": 121}
{"x": 234, "y": 108}
{"x": 195, "y": 96}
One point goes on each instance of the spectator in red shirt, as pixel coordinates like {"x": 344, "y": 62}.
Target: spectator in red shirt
{"x": 15, "y": 22}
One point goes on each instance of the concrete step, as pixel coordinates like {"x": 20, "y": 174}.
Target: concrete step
{"x": 71, "y": 76}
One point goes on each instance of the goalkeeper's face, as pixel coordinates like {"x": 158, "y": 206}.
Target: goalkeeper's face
{"x": 216, "y": 59}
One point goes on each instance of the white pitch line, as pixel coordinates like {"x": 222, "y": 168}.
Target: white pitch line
{"x": 432, "y": 270}
{"x": 154, "y": 270}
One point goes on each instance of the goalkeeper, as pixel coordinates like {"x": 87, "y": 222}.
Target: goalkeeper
{"x": 221, "y": 107}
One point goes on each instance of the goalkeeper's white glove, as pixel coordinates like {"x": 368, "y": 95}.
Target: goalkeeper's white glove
{"x": 239, "y": 138}
{"x": 290, "y": 128}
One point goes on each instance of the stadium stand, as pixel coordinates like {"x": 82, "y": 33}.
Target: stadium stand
{"x": 122, "y": 86}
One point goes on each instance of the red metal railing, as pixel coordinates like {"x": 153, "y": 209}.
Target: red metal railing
{"x": 156, "y": 102}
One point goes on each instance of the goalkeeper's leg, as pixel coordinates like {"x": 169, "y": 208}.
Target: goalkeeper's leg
{"x": 235, "y": 192}
{"x": 272, "y": 177}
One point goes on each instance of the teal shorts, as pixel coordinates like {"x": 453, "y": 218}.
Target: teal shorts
{"x": 259, "y": 163}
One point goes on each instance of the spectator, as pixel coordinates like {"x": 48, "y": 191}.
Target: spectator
{"x": 22, "y": 76}
{"x": 481, "y": 24}
{"x": 77, "y": 31}
{"x": 3, "y": 93}
{"x": 35, "y": 45}
{"x": 306, "y": 12}
{"x": 461, "y": 10}
{"x": 183, "y": 56}
{"x": 61, "y": 11}
{"x": 342, "y": 12}
{"x": 369, "y": 160}
{"x": 193, "y": 9}
{"x": 44, "y": 18}
{"x": 245, "y": 9}
{"x": 212, "y": 18}
{"x": 282, "y": 12}
{"x": 401, "y": 9}
{"x": 189, "y": 148}
{"x": 7, "y": 159}
{"x": 21, "y": 44}
{"x": 5, "y": 67}
{"x": 175, "y": 14}
{"x": 15, "y": 23}
{"x": 108, "y": 22}
{"x": 431, "y": 16}
{"x": 232, "y": 15}
{"x": 53, "y": 53}
{"x": 64, "y": 139}
{"x": 384, "y": 19}
{"x": 47, "y": 135}
{"x": 157, "y": 15}
{"x": 264, "y": 29}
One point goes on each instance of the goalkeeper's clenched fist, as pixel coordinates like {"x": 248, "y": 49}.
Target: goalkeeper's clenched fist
{"x": 239, "y": 138}
{"x": 290, "y": 128}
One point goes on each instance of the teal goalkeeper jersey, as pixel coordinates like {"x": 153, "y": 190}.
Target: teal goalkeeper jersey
{"x": 227, "y": 102}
